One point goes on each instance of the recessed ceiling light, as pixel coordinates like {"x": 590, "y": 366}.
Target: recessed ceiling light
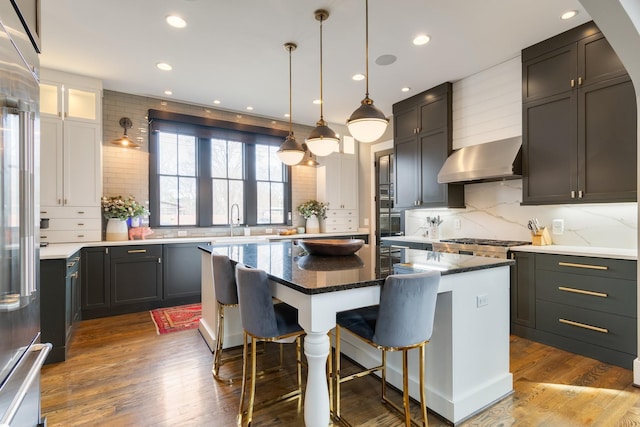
{"x": 358, "y": 77}
{"x": 216, "y": 101}
{"x": 250, "y": 108}
{"x": 168, "y": 92}
{"x": 421, "y": 39}
{"x": 569, "y": 14}
{"x": 317, "y": 101}
{"x": 164, "y": 66}
{"x": 406, "y": 89}
{"x": 176, "y": 21}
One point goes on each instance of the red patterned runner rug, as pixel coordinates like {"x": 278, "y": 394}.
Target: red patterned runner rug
{"x": 174, "y": 319}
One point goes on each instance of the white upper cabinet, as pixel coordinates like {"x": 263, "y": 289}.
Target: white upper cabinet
{"x": 70, "y": 157}
{"x": 70, "y": 97}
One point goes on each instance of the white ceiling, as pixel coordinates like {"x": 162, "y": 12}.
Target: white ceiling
{"x": 232, "y": 50}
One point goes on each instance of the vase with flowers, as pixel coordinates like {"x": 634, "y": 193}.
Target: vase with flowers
{"x": 312, "y": 211}
{"x": 117, "y": 210}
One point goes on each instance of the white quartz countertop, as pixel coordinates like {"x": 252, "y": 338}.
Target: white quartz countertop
{"x": 592, "y": 251}
{"x": 65, "y": 250}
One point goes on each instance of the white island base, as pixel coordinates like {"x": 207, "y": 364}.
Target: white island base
{"x": 467, "y": 359}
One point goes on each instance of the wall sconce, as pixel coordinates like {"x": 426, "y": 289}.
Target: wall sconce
{"x": 124, "y": 141}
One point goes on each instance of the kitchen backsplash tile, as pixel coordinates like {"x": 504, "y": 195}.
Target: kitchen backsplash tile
{"x": 494, "y": 212}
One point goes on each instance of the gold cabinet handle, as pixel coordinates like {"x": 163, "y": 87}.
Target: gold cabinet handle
{"x": 71, "y": 264}
{"x": 584, "y": 326}
{"x": 579, "y": 81}
{"x": 137, "y": 251}
{"x": 573, "y": 83}
{"x": 589, "y": 266}
{"x": 583, "y": 292}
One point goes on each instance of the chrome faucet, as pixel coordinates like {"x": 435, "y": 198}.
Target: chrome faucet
{"x": 232, "y": 224}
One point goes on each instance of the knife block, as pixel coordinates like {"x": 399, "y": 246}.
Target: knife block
{"x": 542, "y": 238}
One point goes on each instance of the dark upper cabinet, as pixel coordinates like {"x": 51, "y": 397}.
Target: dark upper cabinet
{"x": 422, "y": 142}
{"x": 579, "y": 121}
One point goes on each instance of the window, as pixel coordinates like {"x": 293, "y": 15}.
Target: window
{"x": 201, "y": 170}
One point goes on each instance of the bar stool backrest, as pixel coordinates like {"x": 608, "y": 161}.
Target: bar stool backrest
{"x": 256, "y": 305}
{"x": 407, "y": 309}
{"x": 224, "y": 280}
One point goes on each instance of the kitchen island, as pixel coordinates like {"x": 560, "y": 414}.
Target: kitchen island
{"x": 467, "y": 357}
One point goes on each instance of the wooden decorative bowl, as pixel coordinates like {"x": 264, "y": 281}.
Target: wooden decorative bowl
{"x": 330, "y": 263}
{"x": 331, "y": 247}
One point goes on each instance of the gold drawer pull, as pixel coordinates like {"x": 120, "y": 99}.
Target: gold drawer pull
{"x": 137, "y": 251}
{"x": 582, "y": 291}
{"x": 592, "y": 267}
{"x": 584, "y": 326}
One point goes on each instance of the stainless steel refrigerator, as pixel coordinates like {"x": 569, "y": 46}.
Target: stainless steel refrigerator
{"x": 21, "y": 353}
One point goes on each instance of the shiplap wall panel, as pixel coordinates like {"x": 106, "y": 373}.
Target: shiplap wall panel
{"x": 487, "y": 106}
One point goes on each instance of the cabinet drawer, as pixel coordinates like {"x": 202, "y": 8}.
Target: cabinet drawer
{"x": 601, "y": 267}
{"x": 340, "y": 221}
{"x": 70, "y": 212}
{"x": 617, "y": 296}
{"x": 136, "y": 251}
{"x": 340, "y": 228}
{"x": 602, "y": 329}
{"x": 66, "y": 236}
{"x": 76, "y": 224}
{"x": 341, "y": 213}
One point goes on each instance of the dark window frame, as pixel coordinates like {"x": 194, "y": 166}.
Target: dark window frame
{"x": 204, "y": 129}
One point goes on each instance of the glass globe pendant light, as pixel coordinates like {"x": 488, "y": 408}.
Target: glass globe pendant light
{"x": 322, "y": 141}
{"x": 367, "y": 123}
{"x": 290, "y": 152}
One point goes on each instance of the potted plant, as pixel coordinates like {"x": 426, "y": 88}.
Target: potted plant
{"x": 117, "y": 210}
{"x": 312, "y": 211}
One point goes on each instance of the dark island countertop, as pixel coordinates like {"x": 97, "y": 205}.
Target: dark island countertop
{"x": 287, "y": 263}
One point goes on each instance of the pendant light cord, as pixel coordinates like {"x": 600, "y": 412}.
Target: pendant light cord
{"x": 290, "y": 48}
{"x": 366, "y": 45}
{"x": 321, "y": 97}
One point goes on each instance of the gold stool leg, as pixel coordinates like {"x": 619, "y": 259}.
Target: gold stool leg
{"x": 423, "y": 394}
{"x": 245, "y": 366}
{"x": 252, "y": 395}
{"x": 217, "y": 356}
{"x": 405, "y": 388}
{"x": 384, "y": 376}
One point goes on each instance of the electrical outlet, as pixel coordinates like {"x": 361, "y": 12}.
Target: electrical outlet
{"x": 557, "y": 226}
{"x": 457, "y": 223}
{"x": 482, "y": 300}
{"x": 182, "y": 233}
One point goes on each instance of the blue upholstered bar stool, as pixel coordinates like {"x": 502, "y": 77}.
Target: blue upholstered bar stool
{"x": 402, "y": 321}
{"x": 224, "y": 283}
{"x": 264, "y": 321}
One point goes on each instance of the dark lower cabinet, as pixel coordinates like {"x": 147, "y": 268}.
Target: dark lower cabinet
{"x": 95, "y": 279}
{"x": 60, "y": 305}
{"x": 523, "y": 291}
{"x": 131, "y": 278}
{"x": 584, "y": 305}
{"x": 182, "y": 270}
{"x": 135, "y": 274}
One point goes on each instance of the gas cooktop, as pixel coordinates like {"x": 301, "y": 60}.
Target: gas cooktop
{"x": 485, "y": 242}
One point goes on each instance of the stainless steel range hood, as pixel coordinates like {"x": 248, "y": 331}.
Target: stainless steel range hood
{"x": 492, "y": 161}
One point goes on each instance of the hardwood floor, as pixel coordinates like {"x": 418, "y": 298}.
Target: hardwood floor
{"x": 120, "y": 373}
